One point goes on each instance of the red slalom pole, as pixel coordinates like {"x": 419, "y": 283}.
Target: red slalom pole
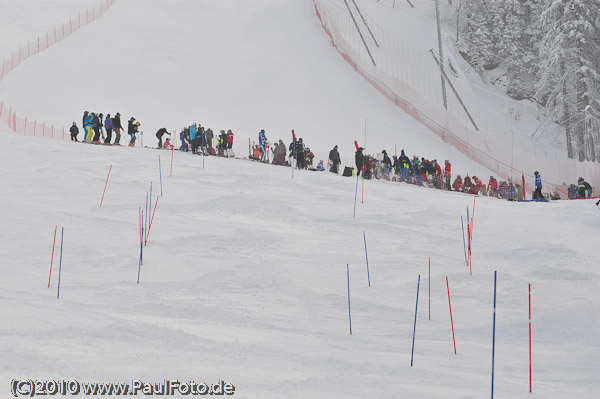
{"x": 469, "y": 247}
{"x": 105, "y": 185}
{"x": 451, "y": 321}
{"x": 52, "y": 259}
{"x": 429, "y": 290}
{"x": 529, "y": 337}
{"x": 151, "y": 219}
{"x": 172, "y": 150}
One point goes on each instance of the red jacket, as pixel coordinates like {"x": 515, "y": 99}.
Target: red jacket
{"x": 448, "y": 168}
{"x": 230, "y": 137}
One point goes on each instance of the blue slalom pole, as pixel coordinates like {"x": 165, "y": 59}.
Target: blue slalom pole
{"x": 146, "y": 218}
{"x": 462, "y": 224}
{"x": 62, "y": 234}
{"x": 415, "y": 327}
{"x": 349, "y": 315}
{"x": 494, "y": 334}
{"x": 355, "y": 194}
{"x": 160, "y": 174}
{"x": 141, "y": 254}
{"x": 367, "y": 257}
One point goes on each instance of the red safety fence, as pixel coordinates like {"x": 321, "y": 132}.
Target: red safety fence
{"x": 30, "y": 126}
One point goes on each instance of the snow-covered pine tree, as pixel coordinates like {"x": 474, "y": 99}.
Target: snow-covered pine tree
{"x": 568, "y": 77}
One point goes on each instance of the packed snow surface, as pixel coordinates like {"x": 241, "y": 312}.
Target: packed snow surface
{"x": 244, "y": 278}
{"x": 244, "y": 274}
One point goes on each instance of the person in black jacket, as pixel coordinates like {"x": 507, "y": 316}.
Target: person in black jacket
{"x": 334, "y": 157}
{"x": 74, "y": 132}
{"x": 96, "y": 125}
{"x": 132, "y": 129}
{"x": 300, "y": 154}
{"x": 117, "y": 127}
{"x": 582, "y": 187}
{"x": 359, "y": 158}
{"x": 159, "y": 135}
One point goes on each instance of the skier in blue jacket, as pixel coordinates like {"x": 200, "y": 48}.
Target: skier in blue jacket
{"x": 537, "y": 194}
{"x": 193, "y": 134}
{"x": 262, "y": 142}
{"x": 108, "y": 125}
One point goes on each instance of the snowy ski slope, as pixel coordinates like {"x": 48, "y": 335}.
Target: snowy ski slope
{"x": 244, "y": 275}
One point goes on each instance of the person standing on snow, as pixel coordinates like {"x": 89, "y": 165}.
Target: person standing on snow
{"x": 209, "y": 137}
{"x": 359, "y": 159}
{"x": 132, "y": 129}
{"x": 97, "y": 126}
{"x": 262, "y": 142}
{"x": 108, "y": 126}
{"x": 229, "y": 139}
{"x": 193, "y": 135}
{"x": 159, "y": 135}
{"x": 279, "y": 154}
{"x": 447, "y": 174}
{"x": 84, "y": 125}
{"x": 537, "y": 194}
{"x": 404, "y": 166}
{"x": 582, "y": 187}
{"x": 116, "y": 122}
{"x": 300, "y": 150}
{"x": 74, "y": 132}
{"x": 334, "y": 158}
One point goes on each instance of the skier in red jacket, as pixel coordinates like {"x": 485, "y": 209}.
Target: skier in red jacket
{"x": 447, "y": 174}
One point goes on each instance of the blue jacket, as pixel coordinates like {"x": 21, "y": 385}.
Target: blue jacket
{"x": 538, "y": 181}
{"x": 88, "y": 120}
{"x": 262, "y": 139}
{"x": 193, "y": 132}
{"x": 108, "y": 123}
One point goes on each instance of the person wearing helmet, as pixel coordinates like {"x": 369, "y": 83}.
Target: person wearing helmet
{"x": 582, "y": 187}
{"x": 404, "y": 166}
{"x": 537, "y": 194}
{"x": 74, "y": 132}
{"x": 132, "y": 129}
{"x": 262, "y": 142}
